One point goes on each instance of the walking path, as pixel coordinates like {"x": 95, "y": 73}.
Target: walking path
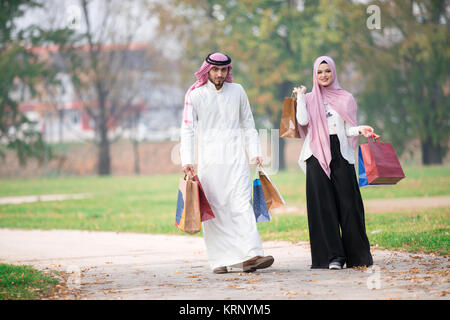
{"x": 110, "y": 265}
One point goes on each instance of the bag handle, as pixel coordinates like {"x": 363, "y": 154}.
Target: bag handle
{"x": 256, "y": 172}
{"x": 374, "y": 140}
{"x": 190, "y": 176}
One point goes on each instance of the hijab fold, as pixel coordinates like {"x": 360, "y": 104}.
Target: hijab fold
{"x": 340, "y": 100}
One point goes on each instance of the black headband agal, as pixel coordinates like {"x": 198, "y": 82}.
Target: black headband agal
{"x": 217, "y": 62}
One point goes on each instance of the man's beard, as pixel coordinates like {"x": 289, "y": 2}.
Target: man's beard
{"x": 218, "y": 81}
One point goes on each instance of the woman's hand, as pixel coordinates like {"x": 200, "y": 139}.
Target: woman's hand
{"x": 368, "y": 131}
{"x": 299, "y": 90}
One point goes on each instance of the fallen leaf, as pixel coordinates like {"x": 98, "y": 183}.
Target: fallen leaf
{"x": 232, "y": 279}
{"x": 255, "y": 280}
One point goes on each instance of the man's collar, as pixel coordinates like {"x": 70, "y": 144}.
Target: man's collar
{"x": 212, "y": 86}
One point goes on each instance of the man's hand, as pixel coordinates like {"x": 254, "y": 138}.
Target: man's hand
{"x": 258, "y": 161}
{"x": 368, "y": 131}
{"x": 189, "y": 169}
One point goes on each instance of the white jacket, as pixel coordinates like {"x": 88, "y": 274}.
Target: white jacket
{"x": 336, "y": 125}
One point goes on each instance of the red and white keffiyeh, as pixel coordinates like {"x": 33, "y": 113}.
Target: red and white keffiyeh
{"x": 213, "y": 59}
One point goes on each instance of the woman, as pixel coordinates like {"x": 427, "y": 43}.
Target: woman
{"x": 327, "y": 123}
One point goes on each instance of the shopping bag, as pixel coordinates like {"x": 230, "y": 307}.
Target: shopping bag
{"x": 187, "y": 217}
{"x": 378, "y": 164}
{"x": 206, "y": 212}
{"x": 259, "y": 203}
{"x": 272, "y": 196}
{"x": 288, "y": 124}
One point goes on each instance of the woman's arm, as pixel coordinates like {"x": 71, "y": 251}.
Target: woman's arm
{"x": 366, "y": 131}
{"x": 351, "y": 131}
{"x": 302, "y": 113}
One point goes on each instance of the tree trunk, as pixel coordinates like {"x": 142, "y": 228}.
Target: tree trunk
{"x": 282, "y": 161}
{"x": 104, "y": 159}
{"x": 61, "y": 125}
{"x": 137, "y": 170}
{"x": 431, "y": 153}
{"x": 284, "y": 91}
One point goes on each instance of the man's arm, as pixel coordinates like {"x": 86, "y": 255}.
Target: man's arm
{"x": 187, "y": 145}
{"x": 248, "y": 125}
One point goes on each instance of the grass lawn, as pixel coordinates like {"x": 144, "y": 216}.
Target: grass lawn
{"x": 24, "y": 283}
{"x": 147, "y": 204}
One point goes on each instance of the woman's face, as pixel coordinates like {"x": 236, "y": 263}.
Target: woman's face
{"x": 324, "y": 75}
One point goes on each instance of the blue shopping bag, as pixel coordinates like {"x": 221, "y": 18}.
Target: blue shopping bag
{"x": 259, "y": 203}
{"x": 361, "y": 170}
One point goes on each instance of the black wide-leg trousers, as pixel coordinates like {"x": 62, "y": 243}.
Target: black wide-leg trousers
{"x": 336, "y": 223}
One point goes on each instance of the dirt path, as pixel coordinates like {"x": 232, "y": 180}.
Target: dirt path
{"x": 109, "y": 265}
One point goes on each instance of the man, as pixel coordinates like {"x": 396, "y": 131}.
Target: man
{"x": 218, "y": 112}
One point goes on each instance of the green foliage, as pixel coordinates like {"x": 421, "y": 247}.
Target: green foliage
{"x": 398, "y": 74}
{"x": 22, "y": 73}
{"x": 23, "y": 282}
{"x": 402, "y": 69}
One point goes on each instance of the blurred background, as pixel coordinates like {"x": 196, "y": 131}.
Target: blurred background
{"x": 96, "y": 87}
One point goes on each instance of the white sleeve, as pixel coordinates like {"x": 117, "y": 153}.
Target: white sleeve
{"x": 351, "y": 131}
{"x": 302, "y": 113}
{"x": 187, "y": 141}
{"x": 247, "y": 123}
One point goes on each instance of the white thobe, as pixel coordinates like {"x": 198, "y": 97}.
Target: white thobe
{"x": 225, "y": 129}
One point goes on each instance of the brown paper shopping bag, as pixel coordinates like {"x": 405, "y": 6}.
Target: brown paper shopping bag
{"x": 271, "y": 195}
{"x": 288, "y": 124}
{"x": 188, "y": 206}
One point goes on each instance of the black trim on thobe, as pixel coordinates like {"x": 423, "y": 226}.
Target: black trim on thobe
{"x": 337, "y": 229}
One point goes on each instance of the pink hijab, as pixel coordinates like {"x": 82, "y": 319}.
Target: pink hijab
{"x": 213, "y": 59}
{"x": 340, "y": 100}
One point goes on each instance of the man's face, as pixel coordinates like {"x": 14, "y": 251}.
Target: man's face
{"x": 217, "y": 75}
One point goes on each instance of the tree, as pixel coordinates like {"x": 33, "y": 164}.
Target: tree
{"x": 21, "y": 72}
{"x": 276, "y": 43}
{"x": 273, "y": 44}
{"x": 404, "y": 70}
{"x": 109, "y": 70}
